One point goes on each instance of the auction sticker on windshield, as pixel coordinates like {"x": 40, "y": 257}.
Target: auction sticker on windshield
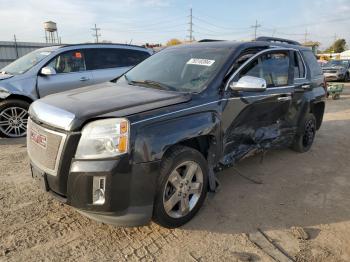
{"x": 200, "y": 61}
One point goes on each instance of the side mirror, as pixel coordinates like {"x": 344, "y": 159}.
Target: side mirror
{"x": 249, "y": 84}
{"x": 47, "y": 71}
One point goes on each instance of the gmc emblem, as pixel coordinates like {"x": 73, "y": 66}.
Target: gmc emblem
{"x": 37, "y": 138}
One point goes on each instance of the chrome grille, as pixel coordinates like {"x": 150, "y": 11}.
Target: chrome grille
{"x": 44, "y": 147}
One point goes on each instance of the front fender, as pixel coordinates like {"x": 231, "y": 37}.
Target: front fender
{"x": 4, "y": 93}
{"x": 20, "y": 86}
{"x": 154, "y": 139}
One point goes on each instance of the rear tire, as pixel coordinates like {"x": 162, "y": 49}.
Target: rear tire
{"x": 181, "y": 187}
{"x": 13, "y": 118}
{"x": 307, "y": 131}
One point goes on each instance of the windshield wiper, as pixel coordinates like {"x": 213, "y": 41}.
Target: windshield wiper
{"x": 149, "y": 83}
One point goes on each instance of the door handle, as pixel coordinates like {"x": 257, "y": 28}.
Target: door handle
{"x": 307, "y": 86}
{"x": 84, "y": 78}
{"x": 284, "y": 98}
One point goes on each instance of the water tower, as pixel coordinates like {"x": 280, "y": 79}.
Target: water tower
{"x": 51, "y": 34}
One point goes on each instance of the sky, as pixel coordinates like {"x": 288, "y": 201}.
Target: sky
{"x": 156, "y": 21}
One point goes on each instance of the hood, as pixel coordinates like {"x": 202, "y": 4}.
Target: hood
{"x": 5, "y": 76}
{"x": 69, "y": 110}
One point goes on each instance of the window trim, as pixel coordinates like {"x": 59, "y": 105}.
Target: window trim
{"x": 303, "y": 62}
{"x": 271, "y": 49}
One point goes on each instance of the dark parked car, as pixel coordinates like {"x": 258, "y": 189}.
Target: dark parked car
{"x": 147, "y": 146}
{"x": 56, "y": 69}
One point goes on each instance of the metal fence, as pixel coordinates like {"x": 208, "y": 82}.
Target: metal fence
{"x": 10, "y": 51}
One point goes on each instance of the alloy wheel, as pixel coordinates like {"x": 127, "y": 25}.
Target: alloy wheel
{"x": 309, "y": 133}
{"x": 183, "y": 189}
{"x": 13, "y": 121}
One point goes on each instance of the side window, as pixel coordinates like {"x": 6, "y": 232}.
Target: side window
{"x": 299, "y": 68}
{"x": 103, "y": 58}
{"x": 310, "y": 59}
{"x": 132, "y": 57}
{"x": 69, "y": 62}
{"x": 273, "y": 67}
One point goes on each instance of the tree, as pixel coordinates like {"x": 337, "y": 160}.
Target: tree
{"x": 338, "y": 46}
{"x": 173, "y": 41}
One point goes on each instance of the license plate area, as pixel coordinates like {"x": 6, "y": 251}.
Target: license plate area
{"x": 40, "y": 178}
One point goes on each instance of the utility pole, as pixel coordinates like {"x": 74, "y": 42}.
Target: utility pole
{"x": 16, "y": 47}
{"x": 190, "y": 30}
{"x": 256, "y": 26}
{"x": 305, "y": 36}
{"x": 96, "y": 33}
{"x": 274, "y": 32}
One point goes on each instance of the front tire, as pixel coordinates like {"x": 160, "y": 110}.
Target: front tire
{"x": 305, "y": 138}
{"x": 13, "y": 118}
{"x": 181, "y": 188}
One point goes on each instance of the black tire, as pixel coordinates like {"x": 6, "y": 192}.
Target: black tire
{"x": 306, "y": 134}
{"x": 174, "y": 158}
{"x": 5, "y": 112}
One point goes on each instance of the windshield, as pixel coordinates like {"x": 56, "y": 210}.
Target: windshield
{"x": 179, "y": 69}
{"x": 337, "y": 63}
{"x": 26, "y": 62}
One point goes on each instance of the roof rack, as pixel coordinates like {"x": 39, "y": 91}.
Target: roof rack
{"x": 209, "y": 40}
{"x": 278, "y": 40}
{"x": 110, "y": 44}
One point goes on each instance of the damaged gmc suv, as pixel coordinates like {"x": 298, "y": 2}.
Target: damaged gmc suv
{"x": 147, "y": 145}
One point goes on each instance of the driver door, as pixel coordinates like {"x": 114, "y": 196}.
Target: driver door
{"x": 253, "y": 120}
{"x": 70, "y": 73}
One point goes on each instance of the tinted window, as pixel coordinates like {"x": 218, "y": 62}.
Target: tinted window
{"x": 310, "y": 59}
{"x": 344, "y": 63}
{"x": 299, "y": 69}
{"x": 103, "y": 58}
{"x": 68, "y": 62}
{"x": 273, "y": 67}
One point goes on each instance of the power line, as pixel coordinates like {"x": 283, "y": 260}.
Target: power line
{"x": 96, "y": 33}
{"x": 218, "y": 26}
{"x": 256, "y": 26}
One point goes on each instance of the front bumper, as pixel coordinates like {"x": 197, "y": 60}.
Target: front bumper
{"x": 129, "y": 191}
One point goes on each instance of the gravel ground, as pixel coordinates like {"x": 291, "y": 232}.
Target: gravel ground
{"x": 297, "y": 209}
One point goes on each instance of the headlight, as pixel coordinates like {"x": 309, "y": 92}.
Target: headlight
{"x": 104, "y": 138}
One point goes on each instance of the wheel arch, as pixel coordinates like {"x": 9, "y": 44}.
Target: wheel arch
{"x": 18, "y": 97}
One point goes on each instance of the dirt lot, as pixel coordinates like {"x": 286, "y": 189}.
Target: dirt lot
{"x": 290, "y": 207}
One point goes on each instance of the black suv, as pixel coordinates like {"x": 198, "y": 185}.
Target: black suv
{"x": 147, "y": 145}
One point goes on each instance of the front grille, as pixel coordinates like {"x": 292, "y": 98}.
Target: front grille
{"x": 44, "y": 147}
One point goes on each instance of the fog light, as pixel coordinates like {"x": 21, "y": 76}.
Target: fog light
{"x": 98, "y": 190}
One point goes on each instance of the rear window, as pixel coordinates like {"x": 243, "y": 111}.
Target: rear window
{"x": 103, "y": 58}
{"x": 310, "y": 59}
